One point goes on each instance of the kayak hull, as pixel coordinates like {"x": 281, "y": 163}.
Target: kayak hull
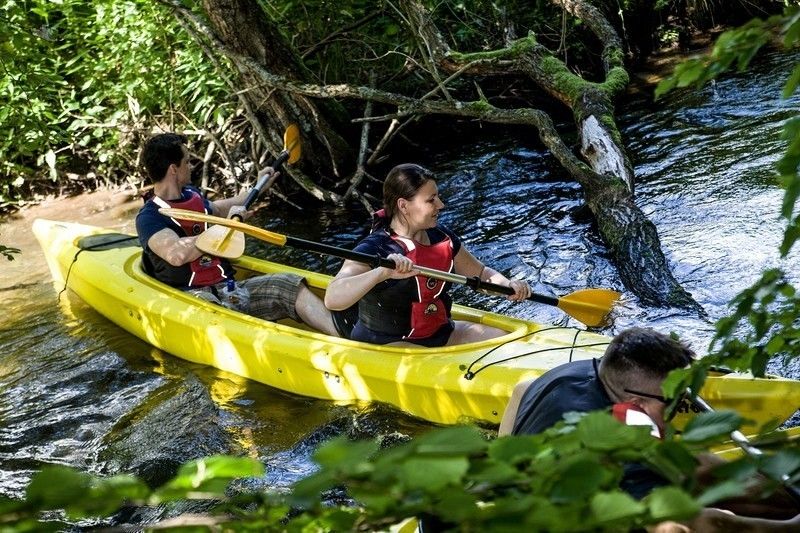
{"x": 430, "y": 383}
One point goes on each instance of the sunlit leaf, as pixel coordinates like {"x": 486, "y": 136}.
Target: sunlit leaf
{"x": 671, "y": 503}
{"x": 613, "y": 506}
{"x": 433, "y": 473}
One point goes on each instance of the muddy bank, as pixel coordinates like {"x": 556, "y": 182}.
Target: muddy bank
{"x": 109, "y": 207}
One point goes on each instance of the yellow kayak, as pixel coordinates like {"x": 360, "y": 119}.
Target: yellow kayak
{"x": 446, "y": 385}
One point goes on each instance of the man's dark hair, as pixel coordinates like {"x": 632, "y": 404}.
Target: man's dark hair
{"x": 644, "y": 352}
{"x": 160, "y": 151}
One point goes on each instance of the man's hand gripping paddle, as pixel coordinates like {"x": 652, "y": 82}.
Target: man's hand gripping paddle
{"x": 229, "y": 243}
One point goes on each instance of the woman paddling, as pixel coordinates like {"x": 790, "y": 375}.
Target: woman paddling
{"x": 399, "y": 305}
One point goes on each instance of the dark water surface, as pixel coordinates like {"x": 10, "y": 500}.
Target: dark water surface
{"x": 77, "y": 390}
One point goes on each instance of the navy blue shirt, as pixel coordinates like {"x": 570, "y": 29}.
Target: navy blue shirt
{"x": 575, "y": 386}
{"x": 149, "y": 222}
{"x": 385, "y": 311}
{"x": 380, "y": 243}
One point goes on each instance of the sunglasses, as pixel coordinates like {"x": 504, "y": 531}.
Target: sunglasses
{"x": 672, "y": 405}
{"x": 648, "y": 395}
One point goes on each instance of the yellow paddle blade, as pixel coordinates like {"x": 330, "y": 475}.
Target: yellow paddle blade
{"x": 221, "y": 242}
{"x": 590, "y": 306}
{"x": 247, "y": 229}
{"x": 291, "y": 143}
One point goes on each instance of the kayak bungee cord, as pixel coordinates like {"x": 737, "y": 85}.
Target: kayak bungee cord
{"x": 99, "y": 246}
{"x": 470, "y": 374}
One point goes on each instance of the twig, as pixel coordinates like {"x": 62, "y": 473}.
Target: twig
{"x": 363, "y": 20}
{"x": 362, "y": 151}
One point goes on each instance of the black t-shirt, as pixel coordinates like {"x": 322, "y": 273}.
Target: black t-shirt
{"x": 570, "y": 387}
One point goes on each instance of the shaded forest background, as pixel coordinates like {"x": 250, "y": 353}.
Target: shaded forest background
{"x": 82, "y": 84}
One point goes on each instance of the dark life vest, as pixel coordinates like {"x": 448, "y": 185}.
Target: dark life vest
{"x": 413, "y": 308}
{"x": 205, "y": 270}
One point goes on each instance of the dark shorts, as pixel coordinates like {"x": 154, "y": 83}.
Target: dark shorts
{"x": 364, "y": 334}
{"x": 272, "y": 296}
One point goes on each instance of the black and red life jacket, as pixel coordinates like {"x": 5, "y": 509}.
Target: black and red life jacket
{"x": 205, "y": 270}
{"x": 413, "y": 308}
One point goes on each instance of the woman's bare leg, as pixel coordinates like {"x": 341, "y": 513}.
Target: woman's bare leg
{"x": 466, "y": 331}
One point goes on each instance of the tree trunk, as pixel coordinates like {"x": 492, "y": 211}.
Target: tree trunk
{"x": 247, "y": 33}
{"x": 608, "y": 185}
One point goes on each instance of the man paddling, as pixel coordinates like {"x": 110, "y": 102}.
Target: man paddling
{"x": 628, "y": 378}
{"x": 170, "y": 254}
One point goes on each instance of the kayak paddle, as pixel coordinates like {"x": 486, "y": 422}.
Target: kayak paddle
{"x": 589, "y": 306}
{"x": 229, "y": 243}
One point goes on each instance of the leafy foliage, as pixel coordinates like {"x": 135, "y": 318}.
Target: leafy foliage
{"x": 80, "y": 81}
{"x": 565, "y": 479}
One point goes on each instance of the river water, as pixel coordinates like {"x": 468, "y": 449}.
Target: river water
{"x": 77, "y": 390}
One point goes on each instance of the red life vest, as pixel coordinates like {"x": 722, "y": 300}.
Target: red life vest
{"x": 205, "y": 270}
{"x": 428, "y": 312}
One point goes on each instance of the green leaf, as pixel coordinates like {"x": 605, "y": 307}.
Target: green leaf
{"x": 580, "y": 479}
{"x": 673, "y": 460}
{"x": 433, "y": 473}
{"x": 457, "y": 505}
{"x": 709, "y": 426}
{"x": 615, "y": 506}
{"x": 601, "y": 431}
{"x": 307, "y": 491}
{"x": 344, "y": 455}
{"x": 721, "y": 491}
{"x": 671, "y": 503}
{"x": 465, "y": 440}
{"x": 784, "y": 463}
{"x": 496, "y": 473}
{"x": 513, "y": 449}
{"x": 209, "y": 476}
{"x": 792, "y": 82}
{"x": 55, "y": 487}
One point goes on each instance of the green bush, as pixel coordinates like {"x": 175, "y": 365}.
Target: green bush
{"x": 82, "y": 81}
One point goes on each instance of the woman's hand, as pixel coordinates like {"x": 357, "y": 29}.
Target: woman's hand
{"x": 404, "y": 267}
{"x": 521, "y": 290}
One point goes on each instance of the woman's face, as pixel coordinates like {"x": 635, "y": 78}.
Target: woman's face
{"x": 422, "y": 210}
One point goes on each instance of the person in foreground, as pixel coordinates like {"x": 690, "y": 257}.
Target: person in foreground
{"x": 630, "y": 374}
{"x": 170, "y": 254}
{"x": 399, "y": 305}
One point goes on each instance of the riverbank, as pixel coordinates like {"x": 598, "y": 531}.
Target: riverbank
{"x": 112, "y": 207}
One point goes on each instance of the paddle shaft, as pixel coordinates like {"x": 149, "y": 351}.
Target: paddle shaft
{"x": 742, "y": 441}
{"x": 375, "y": 261}
{"x": 255, "y": 191}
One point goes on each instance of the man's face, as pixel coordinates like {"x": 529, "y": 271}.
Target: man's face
{"x": 184, "y": 169}
{"x": 648, "y": 397}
